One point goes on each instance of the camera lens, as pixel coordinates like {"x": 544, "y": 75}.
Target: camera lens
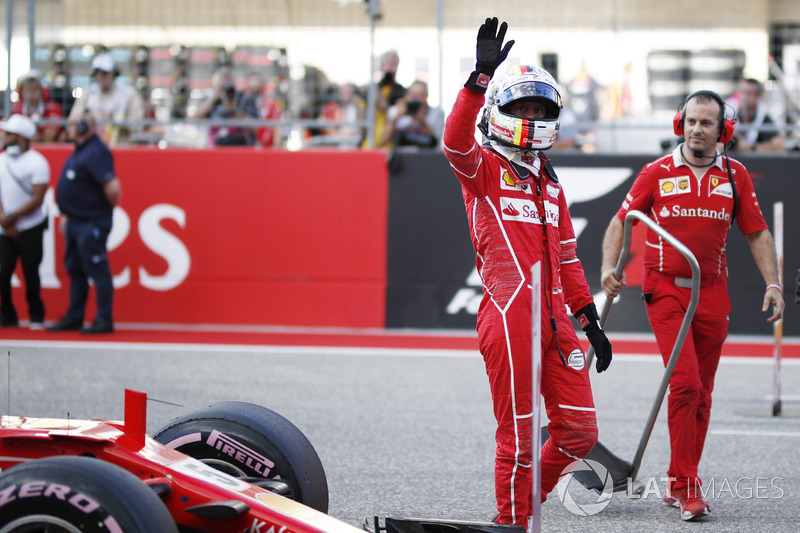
{"x": 412, "y": 107}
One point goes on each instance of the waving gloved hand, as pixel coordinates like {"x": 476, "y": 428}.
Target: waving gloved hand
{"x": 590, "y": 323}
{"x": 490, "y": 52}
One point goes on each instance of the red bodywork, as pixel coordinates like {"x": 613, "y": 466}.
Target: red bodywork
{"x": 191, "y": 483}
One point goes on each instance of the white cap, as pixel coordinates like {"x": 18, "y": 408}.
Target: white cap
{"x": 103, "y": 62}
{"x": 32, "y": 74}
{"x": 19, "y": 124}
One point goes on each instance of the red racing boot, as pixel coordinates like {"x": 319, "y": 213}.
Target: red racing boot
{"x": 689, "y": 500}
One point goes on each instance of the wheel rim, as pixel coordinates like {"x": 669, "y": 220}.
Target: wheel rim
{"x": 39, "y": 523}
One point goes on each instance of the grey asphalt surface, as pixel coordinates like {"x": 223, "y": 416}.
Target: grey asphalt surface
{"x": 410, "y": 433}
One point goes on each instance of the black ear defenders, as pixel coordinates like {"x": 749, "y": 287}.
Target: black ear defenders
{"x": 726, "y": 125}
{"x": 81, "y": 127}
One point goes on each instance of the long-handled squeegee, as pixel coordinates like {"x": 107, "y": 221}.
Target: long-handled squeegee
{"x": 621, "y": 471}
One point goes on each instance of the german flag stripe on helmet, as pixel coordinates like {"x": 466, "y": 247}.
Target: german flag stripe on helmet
{"x": 518, "y": 131}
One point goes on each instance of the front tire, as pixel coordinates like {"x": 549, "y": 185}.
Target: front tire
{"x": 69, "y": 494}
{"x": 249, "y": 441}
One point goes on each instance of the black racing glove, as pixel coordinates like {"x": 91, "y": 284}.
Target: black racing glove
{"x": 490, "y": 52}
{"x": 590, "y": 323}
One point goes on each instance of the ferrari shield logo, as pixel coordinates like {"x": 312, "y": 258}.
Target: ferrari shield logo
{"x": 714, "y": 181}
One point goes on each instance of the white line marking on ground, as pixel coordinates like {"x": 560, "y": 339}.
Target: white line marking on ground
{"x": 784, "y": 397}
{"x": 333, "y": 350}
{"x": 247, "y": 348}
{"x": 755, "y": 433}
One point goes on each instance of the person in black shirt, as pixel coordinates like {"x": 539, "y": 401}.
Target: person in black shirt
{"x": 87, "y": 192}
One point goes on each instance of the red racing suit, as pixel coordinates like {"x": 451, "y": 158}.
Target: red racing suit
{"x": 698, "y": 212}
{"x": 512, "y": 227}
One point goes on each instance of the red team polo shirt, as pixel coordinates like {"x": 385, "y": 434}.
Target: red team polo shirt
{"x": 696, "y": 211}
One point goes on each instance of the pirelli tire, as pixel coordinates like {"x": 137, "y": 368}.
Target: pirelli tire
{"x": 249, "y": 441}
{"x": 70, "y": 494}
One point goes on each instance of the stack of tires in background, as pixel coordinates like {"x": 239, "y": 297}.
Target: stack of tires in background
{"x": 674, "y": 74}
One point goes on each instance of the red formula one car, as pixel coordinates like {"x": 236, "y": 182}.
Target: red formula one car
{"x": 233, "y": 467}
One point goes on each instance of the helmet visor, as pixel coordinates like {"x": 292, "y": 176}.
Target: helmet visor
{"x": 538, "y": 91}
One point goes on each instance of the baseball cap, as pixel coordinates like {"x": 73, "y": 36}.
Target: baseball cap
{"x": 103, "y": 62}
{"x": 32, "y": 74}
{"x": 20, "y": 125}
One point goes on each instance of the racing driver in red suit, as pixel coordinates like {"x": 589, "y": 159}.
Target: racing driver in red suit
{"x": 517, "y": 216}
{"x": 694, "y": 193}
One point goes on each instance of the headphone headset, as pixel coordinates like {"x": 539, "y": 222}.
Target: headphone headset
{"x": 81, "y": 127}
{"x": 726, "y": 125}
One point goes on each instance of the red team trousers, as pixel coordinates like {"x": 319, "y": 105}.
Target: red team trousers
{"x": 689, "y": 403}
{"x": 567, "y": 399}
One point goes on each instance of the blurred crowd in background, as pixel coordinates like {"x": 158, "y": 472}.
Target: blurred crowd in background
{"x": 211, "y": 96}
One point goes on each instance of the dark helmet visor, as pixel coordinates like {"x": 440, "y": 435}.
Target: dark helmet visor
{"x": 529, "y": 89}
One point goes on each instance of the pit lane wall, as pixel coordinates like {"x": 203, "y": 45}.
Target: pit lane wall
{"x": 335, "y": 238}
{"x": 433, "y": 283}
{"x": 237, "y": 236}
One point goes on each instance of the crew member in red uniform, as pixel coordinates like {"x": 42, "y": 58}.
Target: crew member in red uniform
{"x": 694, "y": 193}
{"x": 517, "y": 216}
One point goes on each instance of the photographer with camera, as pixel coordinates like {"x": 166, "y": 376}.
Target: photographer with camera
{"x": 412, "y": 122}
{"x": 388, "y": 93}
{"x": 225, "y": 102}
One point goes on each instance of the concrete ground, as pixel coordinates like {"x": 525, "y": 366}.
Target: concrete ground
{"x": 410, "y": 432}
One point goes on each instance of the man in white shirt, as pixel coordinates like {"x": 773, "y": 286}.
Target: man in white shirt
{"x": 24, "y": 175}
{"x": 109, "y": 102}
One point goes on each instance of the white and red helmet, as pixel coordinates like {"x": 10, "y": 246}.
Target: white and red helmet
{"x": 517, "y": 83}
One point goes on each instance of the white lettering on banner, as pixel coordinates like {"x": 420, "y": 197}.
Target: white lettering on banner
{"x": 120, "y": 228}
{"x": 47, "y": 269}
{"x": 155, "y": 238}
{"x": 166, "y": 245}
{"x": 468, "y": 299}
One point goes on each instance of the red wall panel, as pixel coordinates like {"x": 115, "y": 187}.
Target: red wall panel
{"x": 239, "y": 236}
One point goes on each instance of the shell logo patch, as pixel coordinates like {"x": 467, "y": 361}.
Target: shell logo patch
{"x": 507, "y": 183}
{"x": 677, "y": 185}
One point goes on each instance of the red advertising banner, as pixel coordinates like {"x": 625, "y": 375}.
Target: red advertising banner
{"x": 237, "y": 236}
